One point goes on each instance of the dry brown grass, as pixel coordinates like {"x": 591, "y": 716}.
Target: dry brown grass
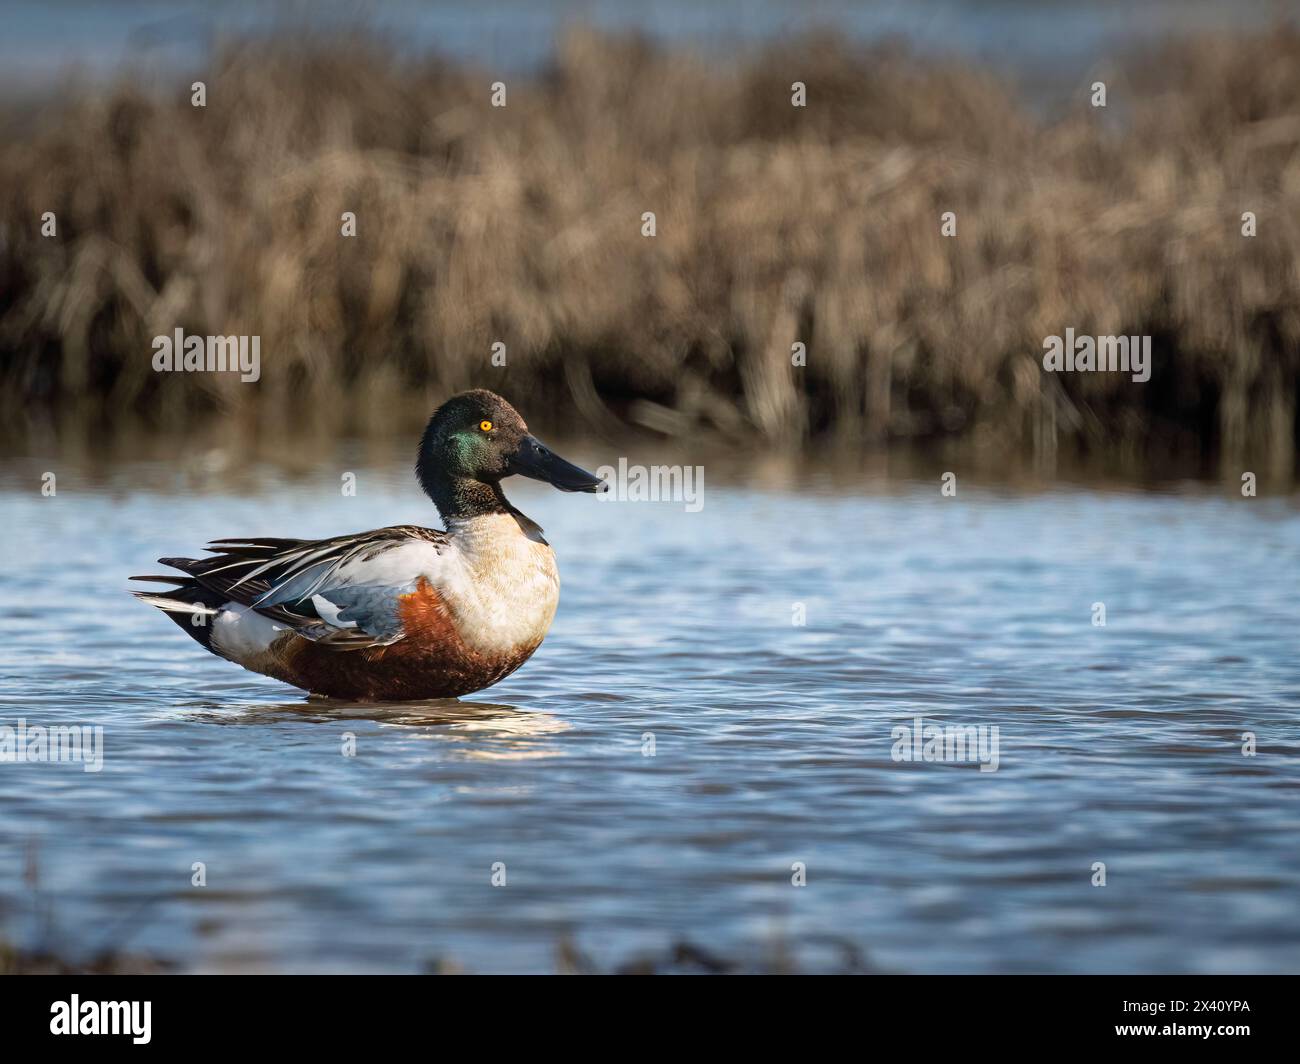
{"x": 522, "y": 224}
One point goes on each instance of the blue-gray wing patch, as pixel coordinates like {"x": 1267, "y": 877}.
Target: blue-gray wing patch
{"x": 353, "y": 617}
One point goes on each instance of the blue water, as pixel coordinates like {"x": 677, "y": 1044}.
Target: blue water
{"x": 1119, "y": 744}
{"x": 43, "y": 42}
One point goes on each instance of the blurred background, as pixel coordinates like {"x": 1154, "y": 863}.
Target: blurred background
{"x": 522, "y": 225}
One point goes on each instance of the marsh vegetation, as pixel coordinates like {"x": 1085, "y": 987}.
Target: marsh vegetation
{"x": 775, "y": 225}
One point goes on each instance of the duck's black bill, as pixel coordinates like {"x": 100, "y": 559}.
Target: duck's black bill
{"x": 534, "y": 459}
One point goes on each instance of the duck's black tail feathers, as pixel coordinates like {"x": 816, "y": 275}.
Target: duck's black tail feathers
{"x": 191, "y": 605}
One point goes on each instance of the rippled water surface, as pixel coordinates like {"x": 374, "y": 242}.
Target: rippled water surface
{"x": 772, "y": 741}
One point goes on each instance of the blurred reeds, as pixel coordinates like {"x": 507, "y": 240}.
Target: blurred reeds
{"x": 775, "y": 224}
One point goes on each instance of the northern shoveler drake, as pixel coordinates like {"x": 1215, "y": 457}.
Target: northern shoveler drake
{"x": 397, "y": 613}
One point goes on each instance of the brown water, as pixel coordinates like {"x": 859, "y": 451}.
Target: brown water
{"x": 773, "y": 742}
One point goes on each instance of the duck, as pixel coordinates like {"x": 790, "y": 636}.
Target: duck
{"x": 399, "y": 613}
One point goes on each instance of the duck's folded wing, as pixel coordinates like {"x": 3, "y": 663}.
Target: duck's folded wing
{"x": 344, "y": 593}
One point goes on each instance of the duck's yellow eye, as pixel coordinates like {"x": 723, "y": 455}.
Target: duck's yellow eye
{"x": 486, "y": 426}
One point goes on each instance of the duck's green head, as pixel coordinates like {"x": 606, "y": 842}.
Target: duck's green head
{"x": 476, "y": 439}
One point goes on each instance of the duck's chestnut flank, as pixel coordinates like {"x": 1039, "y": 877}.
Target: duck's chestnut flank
{"x": 403, "y": 612}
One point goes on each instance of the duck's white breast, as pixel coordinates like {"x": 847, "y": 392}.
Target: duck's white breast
{"x": 501, "y": 583}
